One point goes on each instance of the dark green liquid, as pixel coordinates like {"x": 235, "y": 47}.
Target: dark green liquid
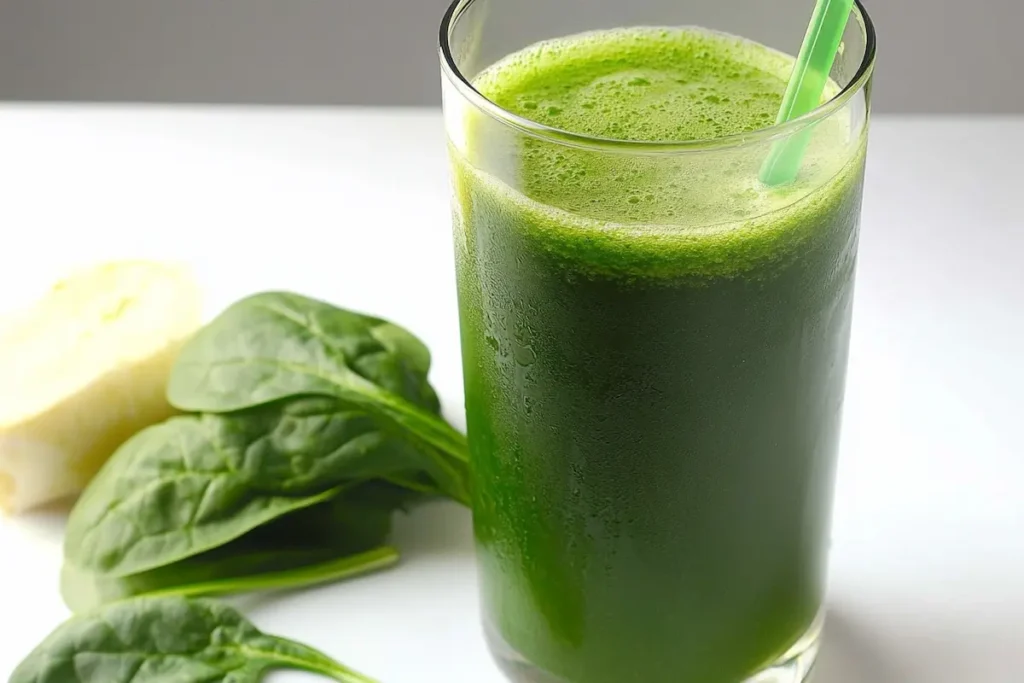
{"x": 654, "y": 367}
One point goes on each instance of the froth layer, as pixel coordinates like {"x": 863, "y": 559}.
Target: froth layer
{"x": 702, "y": 213}
{"x": 644, "y": 84}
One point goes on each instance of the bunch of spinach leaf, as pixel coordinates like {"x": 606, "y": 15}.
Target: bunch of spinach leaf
{"x": 307, "y": 426}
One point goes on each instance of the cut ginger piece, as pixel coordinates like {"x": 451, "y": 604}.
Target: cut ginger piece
{"x": 84, "y": 369}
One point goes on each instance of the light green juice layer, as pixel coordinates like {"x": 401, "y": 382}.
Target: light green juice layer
{"x": 703, "y": 213}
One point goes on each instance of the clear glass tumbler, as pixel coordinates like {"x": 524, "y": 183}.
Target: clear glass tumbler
{"x": 654, "y": 342}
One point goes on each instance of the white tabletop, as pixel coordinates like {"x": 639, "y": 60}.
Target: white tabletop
{"x": 351, "y": 205}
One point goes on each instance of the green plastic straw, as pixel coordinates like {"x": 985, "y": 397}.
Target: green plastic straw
{"x": 806, "y": 86}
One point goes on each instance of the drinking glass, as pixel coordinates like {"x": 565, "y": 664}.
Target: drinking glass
{"x": 653, "y": 387}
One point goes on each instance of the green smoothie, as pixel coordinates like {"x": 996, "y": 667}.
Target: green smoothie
{"x": 654, "y": 350}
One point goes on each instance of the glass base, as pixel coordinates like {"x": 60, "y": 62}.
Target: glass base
{"x": 792, "y": 667}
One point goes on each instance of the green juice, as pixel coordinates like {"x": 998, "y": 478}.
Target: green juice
{"x": 654, "y": 354}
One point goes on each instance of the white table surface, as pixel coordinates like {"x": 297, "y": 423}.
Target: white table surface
{"x": 927, "y": 582}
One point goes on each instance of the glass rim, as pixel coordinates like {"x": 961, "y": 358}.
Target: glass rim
{"x": 778, "y": 130}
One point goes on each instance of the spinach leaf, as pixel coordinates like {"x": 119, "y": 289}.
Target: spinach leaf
{"x": 274, "y": 345}
{"x": 156, "y": 640}
{"x": 195, "y": 483}
{"x": 335, "y": 540}
{"x": 263, "y": 570}
{"x": 277, "y": 344}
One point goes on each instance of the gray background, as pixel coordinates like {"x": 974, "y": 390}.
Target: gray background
{"x": 935, "y": 55}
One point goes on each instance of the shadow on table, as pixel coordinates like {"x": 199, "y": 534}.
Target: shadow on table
{"x": 851, "y": 653}
{"x": 433, "y": 531}
{"x": 434, "y": 528}
{"x": 44, "y": 524}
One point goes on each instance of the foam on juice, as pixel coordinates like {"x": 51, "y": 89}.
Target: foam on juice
{"x": 697, "y": 213}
